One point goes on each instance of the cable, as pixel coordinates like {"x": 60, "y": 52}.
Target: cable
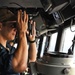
{"x": 71, "y": 49}
{"x": 16, "y": 4}
{"x": 71, "y": 26}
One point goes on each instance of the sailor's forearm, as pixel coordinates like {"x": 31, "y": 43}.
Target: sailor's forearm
{"x": 32, "y": 52}
{"x": 21, "y": 54}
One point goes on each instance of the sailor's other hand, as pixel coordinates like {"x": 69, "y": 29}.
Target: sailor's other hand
{"x": 32, "y": 34}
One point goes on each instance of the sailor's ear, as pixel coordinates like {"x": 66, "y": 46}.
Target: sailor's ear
{"x": 0, "y": 25}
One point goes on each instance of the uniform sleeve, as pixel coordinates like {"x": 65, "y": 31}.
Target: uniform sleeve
{"x": 6, "y": 61}
{"x": 9, "y": 66}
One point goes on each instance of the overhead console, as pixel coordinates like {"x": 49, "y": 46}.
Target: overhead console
{"x": 57, "y": 12}
{"x": 51, "y": 13}
{"x": 51, "y": 6}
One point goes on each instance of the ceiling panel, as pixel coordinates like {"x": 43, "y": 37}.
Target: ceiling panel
{"x": 21, "y": 3}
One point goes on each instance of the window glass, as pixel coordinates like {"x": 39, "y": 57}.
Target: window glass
{"x": 69, "y": 36}
{"x": 43, "y": 45}
{"x": 52, "y": 42}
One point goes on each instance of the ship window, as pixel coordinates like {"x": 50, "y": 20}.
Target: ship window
{"x": 67, "y": 42}
{"x": 52, "y": 42}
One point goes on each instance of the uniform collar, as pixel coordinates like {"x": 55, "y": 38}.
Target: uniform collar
{"x": 3, "y": 49}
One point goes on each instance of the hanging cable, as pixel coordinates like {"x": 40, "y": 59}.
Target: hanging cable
{"x": 71, "y": 26}
{"x": 71, "y": 49}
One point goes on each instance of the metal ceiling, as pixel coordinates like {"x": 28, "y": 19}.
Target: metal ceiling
{"x": 21, "y": 3}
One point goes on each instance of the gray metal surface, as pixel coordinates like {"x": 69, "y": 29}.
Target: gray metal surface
{"x": 56, "y": 64}
{"x": 23, "y": 3}
{"x": 48, "y": 69}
